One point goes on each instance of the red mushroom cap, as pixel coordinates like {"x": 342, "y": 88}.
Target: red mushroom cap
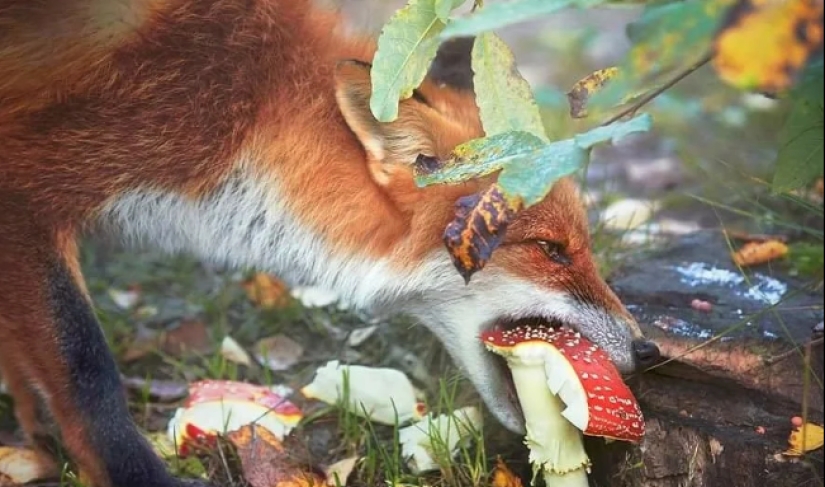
{"x": 581, "y": 374}
{"x": 215, "y": 405}
{"x": 222, "y": 390}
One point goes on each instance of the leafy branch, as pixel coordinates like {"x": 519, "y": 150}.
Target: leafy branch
{"x": 771, "y": 47}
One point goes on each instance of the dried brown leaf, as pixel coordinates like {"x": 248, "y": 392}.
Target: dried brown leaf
{"x": 266, "y": 463}
{"x": 267, "y": 291}
{"x": 278, "y": 353}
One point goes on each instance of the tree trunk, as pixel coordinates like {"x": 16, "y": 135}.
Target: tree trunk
{"x": 719, "y": 408}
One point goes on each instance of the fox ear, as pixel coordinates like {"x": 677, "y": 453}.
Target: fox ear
{"x": 396, "y": 143}
{"x": 352, "y": 91}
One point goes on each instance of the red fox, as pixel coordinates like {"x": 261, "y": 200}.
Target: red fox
{"x": 240, "y": 131}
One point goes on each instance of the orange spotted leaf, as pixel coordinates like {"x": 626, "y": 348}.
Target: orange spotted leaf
{"x": 479, "y": 226}
{"x": 755, "y": 253}
{"x": 764, "y": 45}
{"x": 577, "y": 97}
{"x": 266, "y": 291}
{"x": 266, "y": 463}
{"x": 503, "y": 476}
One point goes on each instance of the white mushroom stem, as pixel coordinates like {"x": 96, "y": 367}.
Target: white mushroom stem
{"x": 556, "y": 446}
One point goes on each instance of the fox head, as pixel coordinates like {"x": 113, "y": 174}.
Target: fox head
{"x": 544, "y": 268}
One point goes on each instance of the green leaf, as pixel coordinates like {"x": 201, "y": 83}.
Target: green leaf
{"x": 529, "y": 167}
{"x": 614, "y": 132}
{"x": 406, "y": 47}
{"x": 667, "y": 37}
{"x": 480, "y": 157}
{"x": 504, "y": 98}
{"x": 443, "y": 8}
{"x": 502, "y": 14}
{"x": 800, "y": 158}
{"x": 530, "y": 178}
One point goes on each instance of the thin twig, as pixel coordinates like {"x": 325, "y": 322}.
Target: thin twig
{"x": 795, "y": 350}
{"x": 658, "y": 91}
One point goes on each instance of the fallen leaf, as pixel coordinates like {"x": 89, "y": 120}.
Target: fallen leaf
{"x": 338, "y": 473}
{"x": 377, "y": 392}
{"x": 503, "y": 476}
{"x": 125, "y": 298}
{"x": 278, "y": 353}
{"x": 755, "y": 253}
{"x": 316, "y": 297}
{"x": 805, "y": 438}
{"x": 190, "y": 336}
{"x": 479, "y": 226}
{"x": 435, "y": 439}
{"x": 754, "y": 237}
{"x": 628, "y": 214}
{"x": 161, "y": 390}
{"x": 231, "y": 350}
{"x": 215, "y": 407}
{"x": 264, "y": 461}
{"x": 23, "y": 465}
{"x": 266, "y": 291}
{"x": 578, "y": 95}
{"x": 765, "y": 45}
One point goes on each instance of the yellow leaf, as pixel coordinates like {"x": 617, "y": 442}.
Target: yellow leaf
{"x": 755, "y": 253}
{"x": 765, "y": 43}
{"x": 266, "y": 291}
{"x": 804, "y": 439}
{"x": 578, "y": 95}
{"x": 503, "y": 476}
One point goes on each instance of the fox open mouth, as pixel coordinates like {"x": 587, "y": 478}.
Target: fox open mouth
{"x": 509, "y": 324}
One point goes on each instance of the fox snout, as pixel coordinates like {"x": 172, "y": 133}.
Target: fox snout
{"x": 617, "y": 336}
{"x": 604, "y": 320}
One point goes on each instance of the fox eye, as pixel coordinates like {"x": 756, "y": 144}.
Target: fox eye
{"x": 554, "y": 251}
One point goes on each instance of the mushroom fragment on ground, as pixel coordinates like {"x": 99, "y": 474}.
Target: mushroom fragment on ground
{"x": 216, "y": 407}
{"x": 566, "y": 386}
{"x": 435, "y": 439}
{"x": 385, "y": 395}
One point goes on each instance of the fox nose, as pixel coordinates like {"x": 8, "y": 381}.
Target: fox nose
{"x": 646, "y": 352}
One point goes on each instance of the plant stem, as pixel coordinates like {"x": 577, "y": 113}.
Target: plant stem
{"x": 658, "y": 91}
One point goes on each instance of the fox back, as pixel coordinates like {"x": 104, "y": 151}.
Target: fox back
{"x": 240, "y": 131}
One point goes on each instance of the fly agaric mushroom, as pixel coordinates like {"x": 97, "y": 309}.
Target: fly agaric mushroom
{"x": 216, "y": 407}
{"x": 577, "y": 374}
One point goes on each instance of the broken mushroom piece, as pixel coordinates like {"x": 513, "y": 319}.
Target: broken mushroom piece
{"x": 566, "y": 386}
{"x": 217, "y": 407}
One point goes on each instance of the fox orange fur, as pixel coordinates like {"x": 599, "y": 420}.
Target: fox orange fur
{"x": 240, "y": 131}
